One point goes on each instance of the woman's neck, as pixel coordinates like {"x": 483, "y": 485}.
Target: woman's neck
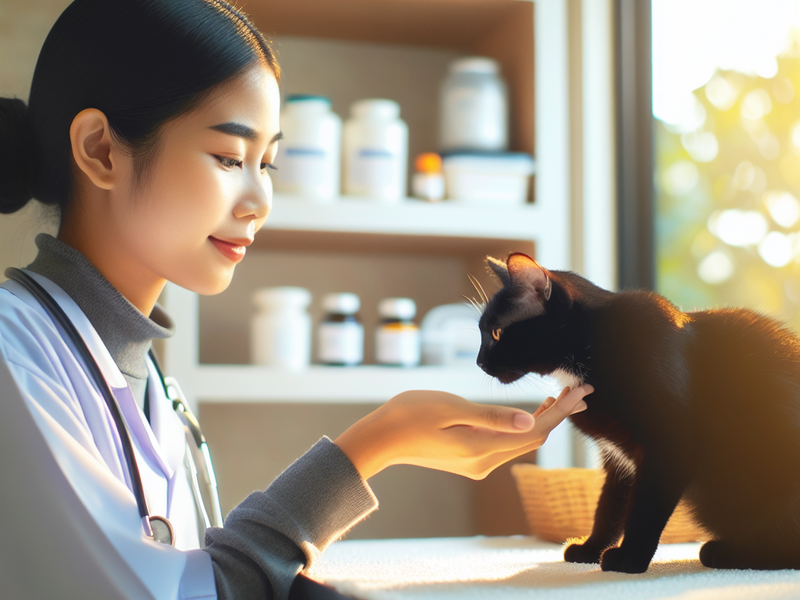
{"x": 91, "y": 236}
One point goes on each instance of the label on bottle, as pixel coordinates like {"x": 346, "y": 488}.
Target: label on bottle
{"x": 474, "y": 118}
{"x": 375, "y": 172}
{"x": 303, "y": 165}
{"x": 341, "y": 343}
{"x": 397, "y": 344}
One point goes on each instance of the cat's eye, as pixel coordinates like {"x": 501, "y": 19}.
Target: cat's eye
{"x": 496, "y": 334}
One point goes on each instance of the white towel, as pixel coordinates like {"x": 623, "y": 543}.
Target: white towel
{"x": 520, "y": 567}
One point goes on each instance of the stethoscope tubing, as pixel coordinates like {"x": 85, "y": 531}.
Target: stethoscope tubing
{"x": 52, "y": 307}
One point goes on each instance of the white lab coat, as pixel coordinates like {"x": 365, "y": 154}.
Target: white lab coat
{"x": 71, "y": 525}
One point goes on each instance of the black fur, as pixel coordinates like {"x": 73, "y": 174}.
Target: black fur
{"x": 702, "y": 405}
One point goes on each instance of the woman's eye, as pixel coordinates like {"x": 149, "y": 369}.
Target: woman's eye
{"x": 265, "y": 166}
{"x": 496, "y": 334}
{"x": 228, "y": 163}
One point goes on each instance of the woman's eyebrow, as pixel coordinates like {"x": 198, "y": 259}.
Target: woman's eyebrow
{"x": 242, "y": 131}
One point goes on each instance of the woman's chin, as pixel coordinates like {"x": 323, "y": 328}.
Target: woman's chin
{"x": 207, "y": 285}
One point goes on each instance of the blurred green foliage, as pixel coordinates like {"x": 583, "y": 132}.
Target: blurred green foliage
{"x": 725, "y": 212}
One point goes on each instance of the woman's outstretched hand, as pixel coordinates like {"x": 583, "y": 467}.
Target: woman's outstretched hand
{"x": 445, "y": 432}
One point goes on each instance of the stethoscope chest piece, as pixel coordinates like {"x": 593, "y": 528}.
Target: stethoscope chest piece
{"x": 162, "y": 530}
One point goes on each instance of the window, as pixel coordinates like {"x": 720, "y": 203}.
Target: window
{"x": 726, "y": 108}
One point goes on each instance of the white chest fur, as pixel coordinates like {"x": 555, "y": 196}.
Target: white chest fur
{"x": 566, "y": 379}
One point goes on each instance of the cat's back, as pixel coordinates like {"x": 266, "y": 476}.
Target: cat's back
{"x": 746, "y": 386}
{"x": 737, "y": 343}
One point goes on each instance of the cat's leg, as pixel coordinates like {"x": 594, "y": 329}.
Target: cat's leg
{"x": 609, "y": 518}
{"x": 652, "y": 502}
{"x": 751, "y": 554}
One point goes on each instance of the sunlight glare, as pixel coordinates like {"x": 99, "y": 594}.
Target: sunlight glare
{"x": 680, "y": 178}
{"x": 776, "y": 249}
{"x": 744, "y": 38}
{"x": 783, "y": 207}
{"x": 756, "y": 104}
{"x": 702, "y": 147}
{"x": 715, "y": 268}
{"x": 721, "y": 92}
{"x": 738, "y": 227}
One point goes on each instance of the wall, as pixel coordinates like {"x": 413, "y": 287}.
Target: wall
{"x": 23, "y": 27}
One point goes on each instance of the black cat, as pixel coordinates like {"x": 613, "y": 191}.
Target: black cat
{"x": 702, "y": 405}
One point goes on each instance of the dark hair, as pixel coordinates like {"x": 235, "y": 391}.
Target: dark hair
{"x": 140, "y": 62}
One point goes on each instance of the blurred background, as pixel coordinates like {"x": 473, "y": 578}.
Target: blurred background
{"x": 727, "y": 154}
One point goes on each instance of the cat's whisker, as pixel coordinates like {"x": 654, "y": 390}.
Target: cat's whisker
{"x": 479, "y": 288}
{"x": 475, "y": 305}
{"x": 482, "y": 292}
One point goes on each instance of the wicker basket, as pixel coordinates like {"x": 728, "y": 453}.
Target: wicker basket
{"x": 559, "y": 504}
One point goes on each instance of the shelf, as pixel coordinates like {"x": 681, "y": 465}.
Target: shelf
{"x": 354, "y": 385}
{"x": 442, "y": 23}
{"x": 409, "y": 226}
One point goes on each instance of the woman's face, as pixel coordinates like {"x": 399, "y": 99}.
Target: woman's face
{"x": 208, "y": 190}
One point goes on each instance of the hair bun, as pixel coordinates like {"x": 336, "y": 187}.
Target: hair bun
{"x": 16, "y": 158}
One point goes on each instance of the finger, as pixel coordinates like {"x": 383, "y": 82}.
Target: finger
{"x": 566, "y": 404}
{"x": 494, "y": 418}
{"x": 548, "y": 402}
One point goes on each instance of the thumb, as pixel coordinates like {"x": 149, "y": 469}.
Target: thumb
{"x": 569, "y": 402}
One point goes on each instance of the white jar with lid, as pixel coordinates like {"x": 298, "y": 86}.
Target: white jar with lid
{"x": 308, "y": 160}
{"x": 375, "y": 151}
{"x": 474, "y": 107}
{"x": 340, "y": 337}
{"x": 281, "y": 329}
{"x": 397, "y": 338}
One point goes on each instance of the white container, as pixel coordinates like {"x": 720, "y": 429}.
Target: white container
{"x": 308, "y": 160}
{"x": 375, "y": 151}
{"x": 474, "y": 107}
{"x": 397, "y": 338}
{"x": 488, "y": 179}
{"x": 450, "y": 335}
{"x": 281, "y": 330}
{"x": 340, "y": 336}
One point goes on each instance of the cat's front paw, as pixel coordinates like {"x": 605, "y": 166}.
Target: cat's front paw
{"x": 583, "y": 553}
{"x": 623, "y": 561}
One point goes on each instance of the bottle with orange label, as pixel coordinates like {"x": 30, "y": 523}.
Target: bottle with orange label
{"x": 397, "y": 338}
{"x": 428, "y": 181}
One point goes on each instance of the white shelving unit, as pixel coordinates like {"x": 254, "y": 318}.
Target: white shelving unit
{"x": 543, "y": 227}
{"x": 442, "y": 225}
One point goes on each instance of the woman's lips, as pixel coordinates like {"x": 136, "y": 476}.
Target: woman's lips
{"x": 232, "y": 250}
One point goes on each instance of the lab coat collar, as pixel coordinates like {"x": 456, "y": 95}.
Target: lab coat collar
{"x": 144, "y": 440}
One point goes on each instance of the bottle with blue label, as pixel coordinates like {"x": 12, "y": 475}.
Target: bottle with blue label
{"x": 308, "y": 160}
{"x": 375, "y": 160}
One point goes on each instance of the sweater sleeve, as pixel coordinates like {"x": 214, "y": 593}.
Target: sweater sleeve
{"x": 273, "y": 534}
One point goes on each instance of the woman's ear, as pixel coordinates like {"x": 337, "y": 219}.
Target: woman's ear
{"x": 93, "y": 149}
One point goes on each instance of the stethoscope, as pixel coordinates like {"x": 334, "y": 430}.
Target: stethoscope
{"x": 205, "y": 491}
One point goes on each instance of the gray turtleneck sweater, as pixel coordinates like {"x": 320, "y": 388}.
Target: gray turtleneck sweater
{"x": 125, "y": 331}
{"x": 272, "y": 534}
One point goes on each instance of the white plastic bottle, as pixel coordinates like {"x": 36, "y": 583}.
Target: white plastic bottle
{"x": 397, "y": 338}
{"x": 474, "y": 107}
{"x": 375, "y": 155}
{"x": 281, "y": 329}
{"x": 309, "y": 157}
{"x": 340, "y": 337}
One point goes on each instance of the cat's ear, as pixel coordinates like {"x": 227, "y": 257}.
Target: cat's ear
{"x": 500, "y": 269}
{"x": 523, "y": 270}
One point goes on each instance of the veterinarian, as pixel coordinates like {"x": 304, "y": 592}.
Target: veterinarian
{"x": 150, "y": 129}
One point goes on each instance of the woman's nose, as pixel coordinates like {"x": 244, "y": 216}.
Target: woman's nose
{"x": 257, "y": 200}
